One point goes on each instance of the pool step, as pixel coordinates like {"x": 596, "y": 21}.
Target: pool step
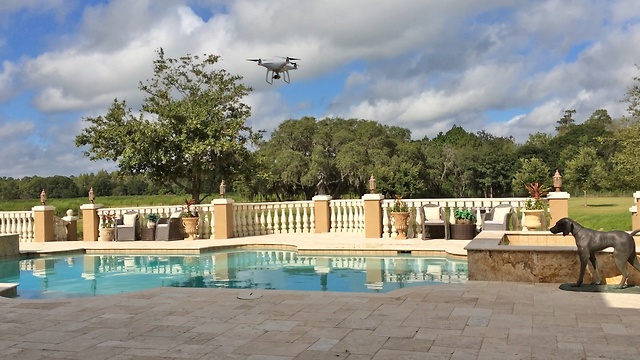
{"x": 9, "y": 290}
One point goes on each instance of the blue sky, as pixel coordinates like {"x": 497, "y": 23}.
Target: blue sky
{"x": 509, "y": 68}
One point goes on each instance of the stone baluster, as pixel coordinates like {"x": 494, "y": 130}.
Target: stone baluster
{"x": 298, "y": 220}
{"x": 312, "y": 219}
{"x": 334, "y": 220}
{"x": 276, "y": 221}
{"x": 386, "y": 230}
{"x": 269, "y": 221}
{"x": 283, "y": 219}
{"x": 305, "y": 220}
{"x": 263, "y": 224}
{"x": 352, "y": 221}
{"x": 291, "y": 224}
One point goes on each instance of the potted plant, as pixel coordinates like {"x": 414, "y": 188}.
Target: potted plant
{"x": 465, "y": 226}
{"x": 108, "y": 228}
{"x": 190, "y": 219}
{"x": 535, "y": 206}
{"x": 400, "y": 214}
{"x": 152, "y": 219}
{"x": 464, "y": 216}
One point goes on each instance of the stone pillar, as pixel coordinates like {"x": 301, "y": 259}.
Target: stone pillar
{"x": 223, "y": 218}
{"x": 372, "y": 215}
{"x": 43, "y": 227}
{"x": 322, "y": 213}
{"x": 90, "y": 222}
{"x": 558, "y": 206}
{"x": 635, "y": 218}
{"x": 72, "y": 226}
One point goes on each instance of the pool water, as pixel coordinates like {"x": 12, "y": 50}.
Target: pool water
{"x": 92, "y": 275}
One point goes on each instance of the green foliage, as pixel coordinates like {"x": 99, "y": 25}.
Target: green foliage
{"x": 153, "y": 217}
{"x": 536, "y": 191}
{"x": 399, "y": 205}
{"x": 188, "y": 211}
{"x": 565, "y": 122}
{"x": 464, "y": 214}
{"x": 531, "y": 171}
{"x": 109, "y": 221}
{"x": 585, "y": 171}
{"x": 191, "y": 132}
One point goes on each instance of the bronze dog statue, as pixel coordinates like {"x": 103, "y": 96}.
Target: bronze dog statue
{"x": 590, "y": 241}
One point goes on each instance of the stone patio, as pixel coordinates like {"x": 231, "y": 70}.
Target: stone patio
{"x": 476, "y": 320}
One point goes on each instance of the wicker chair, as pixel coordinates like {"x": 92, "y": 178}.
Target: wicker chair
{"x": 498, "y": 218}
{"x": 169, "y": 228}
{"x": 434, "y": 224}
{"x": 128, "y": 227}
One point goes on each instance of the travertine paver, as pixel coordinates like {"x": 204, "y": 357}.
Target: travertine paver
{"x": 477, "y": 320}
{"x": 438, "y": 322}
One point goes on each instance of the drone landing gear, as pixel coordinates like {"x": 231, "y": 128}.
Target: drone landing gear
{"x": 276, "y": 75}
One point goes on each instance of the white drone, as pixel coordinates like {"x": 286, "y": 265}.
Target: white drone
{"x": 277, "y": 68}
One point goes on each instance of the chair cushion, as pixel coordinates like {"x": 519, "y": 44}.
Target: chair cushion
{"x": 176, "y": 214}
{"x": 500, "y": 213}
{"x": 129, "y": 219}
{"x": 431, "y": 213}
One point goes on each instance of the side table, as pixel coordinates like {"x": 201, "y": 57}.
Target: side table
{"x": 148, "y": 234}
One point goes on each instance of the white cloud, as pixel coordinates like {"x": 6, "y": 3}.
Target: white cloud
{"x": 425, "y": 65}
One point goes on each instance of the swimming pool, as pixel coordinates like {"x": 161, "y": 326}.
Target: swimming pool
{"x": 92, "y": 275}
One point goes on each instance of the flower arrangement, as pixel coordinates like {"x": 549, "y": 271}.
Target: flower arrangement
{"x": 188, "y": 211}
{"x": 536, "y": 191}
{"x": 464, "y": 214}
{"x": 109, "y": 221}
{"x": 399, "y": 205}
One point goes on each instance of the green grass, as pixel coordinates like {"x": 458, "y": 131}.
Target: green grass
{"x": 607, "y": 213}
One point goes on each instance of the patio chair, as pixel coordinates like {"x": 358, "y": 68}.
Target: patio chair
{"x": 498, "y": 218}
{"x": 169, "y": 228}
{"x": 434, "y": 224}
{"x": 128, "y": 227}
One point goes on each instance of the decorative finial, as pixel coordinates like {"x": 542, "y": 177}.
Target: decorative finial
{"x": 372, "y": 184}
{"x": 43, "y": 197}
{"x": 222, "y": 189}
{"x": 91, "y": 198}
{"x": 557, "y": 181}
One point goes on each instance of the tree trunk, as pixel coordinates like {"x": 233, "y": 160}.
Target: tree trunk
{"x": 585, "y": 197}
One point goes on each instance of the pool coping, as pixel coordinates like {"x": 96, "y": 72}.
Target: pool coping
{"x": 306, "y": 244}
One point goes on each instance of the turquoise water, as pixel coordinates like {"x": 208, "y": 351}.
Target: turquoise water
{"x": 93, "y": 275}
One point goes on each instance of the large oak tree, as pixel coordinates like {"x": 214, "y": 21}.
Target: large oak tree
{"x": 191, "y": 131}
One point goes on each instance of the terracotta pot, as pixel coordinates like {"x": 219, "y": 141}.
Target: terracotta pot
{"x": 107, "y": 234}
{"x": 532, "y": 219}
{"x": 191, "y": 227}
{"x": 401, "y": 222}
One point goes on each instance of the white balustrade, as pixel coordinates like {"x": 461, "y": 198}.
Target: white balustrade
{"x": 415, "y": 219}
{"x": 273, "y": 218}
{"x": 205, "y": 212}
{"x": 18, "y": 222}
{"x": 347, "y": 215}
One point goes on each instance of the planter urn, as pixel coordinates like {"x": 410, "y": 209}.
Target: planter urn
{"x": 532, "y": 219}
{"x": 190, "y": 227}
{"x": 401, "y": 221}
{"x": 107, "y": 234}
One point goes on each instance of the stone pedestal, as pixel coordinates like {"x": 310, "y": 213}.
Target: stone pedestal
{"x": 558, "y": 206}
{"x": 72, "y": 226}
{"x": 322, "y": 213}
{"x": 372, "y": 215}
{"x": 43, "y": 227}
{"x": 90, "y": 222}
{"x": 223, "y": 218}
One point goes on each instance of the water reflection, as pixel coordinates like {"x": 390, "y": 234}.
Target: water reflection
{"x": 269, "y": 269}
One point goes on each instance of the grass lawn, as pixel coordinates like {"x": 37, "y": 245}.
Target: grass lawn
{"x": 607, "y": 213}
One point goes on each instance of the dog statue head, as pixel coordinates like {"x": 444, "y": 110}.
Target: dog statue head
{"x": 564, "y": 225}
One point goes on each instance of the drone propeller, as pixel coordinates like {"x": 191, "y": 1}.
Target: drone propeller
{"x": 288, "y": 58}
{"x": 259, "y": 61}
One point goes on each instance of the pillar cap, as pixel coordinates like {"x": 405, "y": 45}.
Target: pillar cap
{"x": 222, "y": 201}
{"x": 558, "y": 195}
{"x": 43, "y": 208}
{"x": 322, "y": 198}
{"x": 91, "y": 206}
{"x": 636, "y": 195}
{"x": 372, "y": 197}
{"x": 633, "y": 209}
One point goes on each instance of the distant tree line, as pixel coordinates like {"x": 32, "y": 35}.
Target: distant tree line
{"x": 103, "y": 183}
